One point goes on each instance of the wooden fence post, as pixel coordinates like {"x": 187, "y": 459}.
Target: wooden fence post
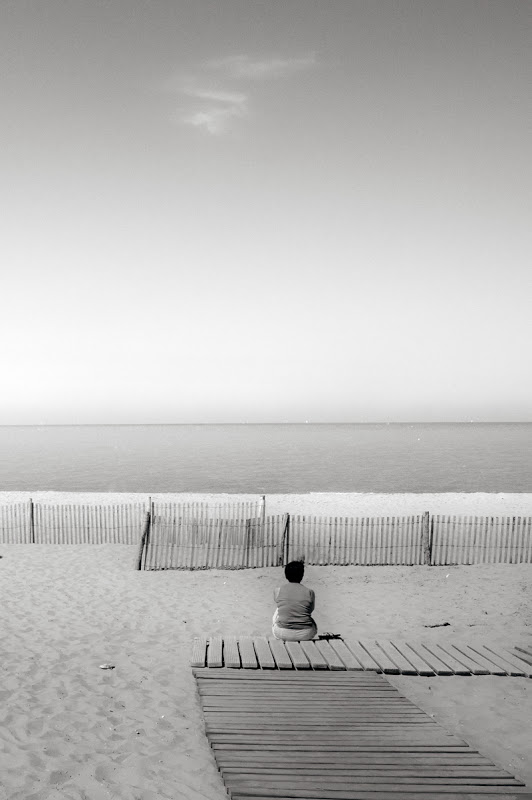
{"x": 247, "y": 543}
{"x": 263, "y": 518}
{"x": 287, "y": 539}
{"x": 144, "y": 539}
{"x": 284, "y": 541}
{"x": 32, "y": 523}
{"x": 426, "y": 539}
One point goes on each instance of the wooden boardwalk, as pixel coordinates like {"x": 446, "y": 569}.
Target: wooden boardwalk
{"x": 340, "y": 735}
{"x": 389, "y": 657}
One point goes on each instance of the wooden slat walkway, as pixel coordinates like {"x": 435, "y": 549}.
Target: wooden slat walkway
{"x": 395, "y": 657}
{"x": 332, "y": 735}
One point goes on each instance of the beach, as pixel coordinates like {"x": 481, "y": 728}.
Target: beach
{"x": 75, "y": 731}
{"x": 347, "y": 504}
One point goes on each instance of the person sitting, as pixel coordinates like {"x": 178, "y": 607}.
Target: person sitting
{"x": 292, "y": 620}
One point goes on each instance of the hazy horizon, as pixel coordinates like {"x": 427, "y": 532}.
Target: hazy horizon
{"x": 246, "y": 211}
{"x": 283, "y": 422}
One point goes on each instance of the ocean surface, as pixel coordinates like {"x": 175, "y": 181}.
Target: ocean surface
{"x": 274, "y": 459}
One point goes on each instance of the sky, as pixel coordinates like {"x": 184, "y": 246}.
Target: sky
{"x": 249, "y": 211}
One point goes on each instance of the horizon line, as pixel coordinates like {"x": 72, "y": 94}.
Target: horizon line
{"x": 306, "y": 422}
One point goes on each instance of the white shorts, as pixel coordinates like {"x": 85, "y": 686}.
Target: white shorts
{"x": 292, "y": 634}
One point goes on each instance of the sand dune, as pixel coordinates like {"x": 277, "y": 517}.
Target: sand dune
{"x": 73, "y": 731}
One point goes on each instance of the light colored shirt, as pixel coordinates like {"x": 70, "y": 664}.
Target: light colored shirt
{"x": 295, "y": 604}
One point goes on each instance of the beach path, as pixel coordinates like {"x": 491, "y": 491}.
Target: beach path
{"x": 336, "y": 735}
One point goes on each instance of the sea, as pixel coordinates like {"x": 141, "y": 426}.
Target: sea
{"x": 268, "y": 458}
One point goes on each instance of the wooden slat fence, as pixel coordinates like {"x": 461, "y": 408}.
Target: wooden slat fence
{"x": 16, "y": 523}
{"x": 88, "y": 524}
{"x": 480, "y": 540}
{"x": 225, "y": 535}
{"x": 363, "y": 540}
{"x": 181, "y": 543}
{"x": 201, "y": 512}
{"x": 33, "y": 522}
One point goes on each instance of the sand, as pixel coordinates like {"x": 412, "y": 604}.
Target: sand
{"x": 321, "y": 503}
{"x": 74, "y": 731}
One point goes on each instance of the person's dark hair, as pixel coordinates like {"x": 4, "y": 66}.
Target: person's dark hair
{"x": 294, "y": 571}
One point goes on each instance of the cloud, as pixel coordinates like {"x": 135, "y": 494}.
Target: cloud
{"x": 243, "y": 67}
{"x": 214, "y": 120}
{"x": 214, "y": 110}
{"x": 231, "y": 98}
{"x": 214, "y": 100}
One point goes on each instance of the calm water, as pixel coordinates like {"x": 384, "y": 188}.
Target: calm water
{"x": 268, "y": 458}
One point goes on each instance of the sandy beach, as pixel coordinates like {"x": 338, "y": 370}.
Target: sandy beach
{"x": 347, "y": 504}
{"x": 74, "y": 731}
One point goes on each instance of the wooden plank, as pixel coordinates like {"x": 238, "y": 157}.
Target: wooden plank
{"x": 402, "y": 663}
{"x": 330, "y": 656}
{"x": 416, "y": 783}
{"x": 362, "y": 740}
{"x": 199, "y": 652}
{"x": 367, "y": 698}
{"x": 221, "y": 726}
{"x": 437, "y": 657}
{"x": 420, "y": 735}
{"x": 333, "y": 701}
{"x": 375, "y": 703}
{"x": 245, "y": 679}
{"x": 498, "y": 663}
{"x": 334, "y": 747}
{"x": 324, "y": 698}
{"x": 483, "y": 657}
{"x": 453, "y": 662}
{"x": 214, "y": 652}
{"x": 320, "y": 697}
{"x": 367, "y": 695}
{"x": 249, "y": 715}
{"x": 508, "y": 794}
{"x": 389, "y": 772}
{"x": 487, "y": 667}
{"x": 523, "y": 654}
{"x": 279, "y": 652}
{"x": 347, "y": 657}
{"x": 354, "y": 756}
{"x": 373, "y": 731}
{"x": 412, "y": 657}
{"x": 506, "y": 662}
{"x": 322, "y": 712}
{"x": 362, "y": 759}
{"x": 247, "y": 653}
{"x": 468, "y": 662}
{"x": 385, "y": 663}
{"x": 264, "y": 654}
{"x": 345, "y": 790}
{"x": 366, "y": 661}
{"x": 437, "y": 666}
{"x": 250, "y": 721}
{"x": 378, "y": 746}
{"x": 369, "y": 678}
{"x": 296, "y": 653}
{"x": 231, "y": 656}
{"x": 314, "y": 656}
{"x": 364, "y": 719}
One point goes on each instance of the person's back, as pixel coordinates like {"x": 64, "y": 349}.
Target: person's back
{"x": 295, "y": 604}
{"x": 292, "y": 620}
